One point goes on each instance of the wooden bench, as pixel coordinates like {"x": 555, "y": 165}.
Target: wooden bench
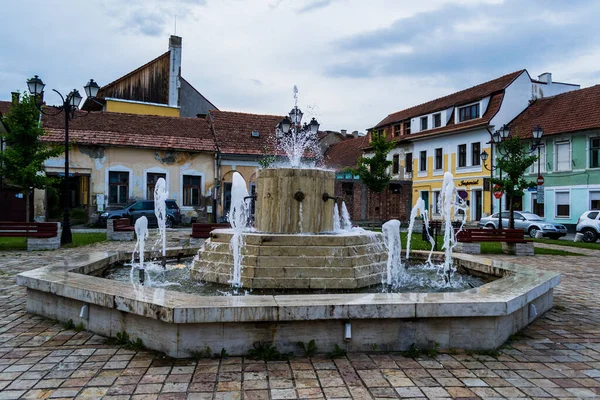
{"x": 513, "y": 240}
{"x": 40, "y": 235}
{"x": 119, "y": 229}
{"x": 202, "y": 231}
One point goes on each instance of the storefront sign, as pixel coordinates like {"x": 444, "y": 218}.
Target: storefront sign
{"x": 467, "y": 183}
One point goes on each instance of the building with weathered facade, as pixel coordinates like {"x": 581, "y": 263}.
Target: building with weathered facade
{"x": 155, "y": 88}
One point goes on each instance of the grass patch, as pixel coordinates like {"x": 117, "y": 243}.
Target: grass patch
{"x": 79, "y": 239}
{"x": 570, "y": 243}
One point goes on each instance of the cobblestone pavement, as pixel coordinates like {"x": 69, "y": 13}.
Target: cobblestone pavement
{"x": 557, "y": 356}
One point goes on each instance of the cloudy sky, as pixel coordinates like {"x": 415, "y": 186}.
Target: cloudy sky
{"x": 354, "y": 61}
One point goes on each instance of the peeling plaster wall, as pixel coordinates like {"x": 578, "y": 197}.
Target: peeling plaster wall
{"x": 98, "y": 161}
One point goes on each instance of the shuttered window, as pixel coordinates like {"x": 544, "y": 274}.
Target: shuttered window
{"x": 563, "y": 156}
{"x": 563, "y": 204}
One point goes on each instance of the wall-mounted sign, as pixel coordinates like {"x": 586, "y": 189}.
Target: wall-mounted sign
{"x": 467, "y": 183}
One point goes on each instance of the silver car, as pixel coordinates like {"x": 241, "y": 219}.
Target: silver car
{"x": 589, "y": 225}
{"x": 529, "y": 222}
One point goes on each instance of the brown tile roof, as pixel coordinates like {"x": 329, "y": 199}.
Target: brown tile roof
{"x": 345, "y": 153}
{"x": 462, "y": 97}
{"x": 4, "y": 107}
{"x": 233, "y": 131}
{"x": 578, "y": 110}
{"x": 132, "y": 130}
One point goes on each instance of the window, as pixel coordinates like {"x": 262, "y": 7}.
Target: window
{"x": 397, "y": 130}
{"x": 348, "y": 189}
{"x": 468, "y": 112}
{"x": 563, "y": 156}
{"x": 192, "y": 190}
{"x": 563, "y": 208}
{"x": 151, "y": 180}
{"x": 409, "y": 162}
{"x": 542, "y": 161}
{"x": 381, "y": 133}
{"x": 475, "y": 153}
{"x": 423, "y": 161}
{"x": 423, "y": 123}
{"x": 436, "y": 201}
{"x": 437, "y": 120}
{"x": 407, "y": 128}
{"x": 396, "y": 164}
{"x": 118, "y": 187}
{"x": 595, "y": 200}
{"x": 439, "y": 158}
{"x": 462, "y": 155}
{"x": 595, "y": 152}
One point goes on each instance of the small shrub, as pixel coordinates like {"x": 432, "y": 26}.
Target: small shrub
{"x": 136, "y": 345}
{"x": 412, "y": 352}
{"x": 374, "y": 346}
{"x": 337, "y": 352}
{"x": 223, "y": 354}
{"x": 69, "y": 325}
{"x": 490, "y": 353}
{"x": 200, "y": 354}
{"x": 309, "y": 349}
{"x": 267, "y": 352}
{"x": 80, "y": 327}
{"x": 433, "y": 350}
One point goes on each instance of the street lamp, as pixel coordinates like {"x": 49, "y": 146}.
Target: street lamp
{"x": 70, "y": 104}
{"x": 537, "y": 134}
{"x": 496, "y": 138}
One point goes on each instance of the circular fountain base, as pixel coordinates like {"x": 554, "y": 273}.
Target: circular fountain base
{"x": 280, "y": 261}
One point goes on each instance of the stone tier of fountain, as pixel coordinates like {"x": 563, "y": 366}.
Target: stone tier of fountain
{"x": 294, "y": 246}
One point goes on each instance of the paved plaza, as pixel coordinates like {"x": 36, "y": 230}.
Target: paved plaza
{"x": 558, "y": 356}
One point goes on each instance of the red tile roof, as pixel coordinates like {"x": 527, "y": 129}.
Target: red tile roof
{"x": 4, "y": 107}
{"x": 578, "y": 110}
{"x": 346, "y": 153}
{"x": 132, "y": 130}
{"x": 462, "y": 97}
{"x": 233, "y": 131}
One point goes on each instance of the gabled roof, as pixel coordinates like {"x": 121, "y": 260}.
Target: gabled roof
{"x": 345, "y": 153}
{"x": 233, "y": 132}
{"x": 5, "y": 107}
{"x": 197, "y": 91}
{"x": 131, "y": 130}
{"x": 462, "y": 97}
{"x": 574, "y": 111}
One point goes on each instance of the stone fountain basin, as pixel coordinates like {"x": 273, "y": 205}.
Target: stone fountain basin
{"x": 178, "y": 323}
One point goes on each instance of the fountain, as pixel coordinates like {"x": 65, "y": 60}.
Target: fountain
{"x": 160, "y": 210}
{"x": 301, "y": 241}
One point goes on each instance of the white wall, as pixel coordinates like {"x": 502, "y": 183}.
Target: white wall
{"x": 516, "y": 99}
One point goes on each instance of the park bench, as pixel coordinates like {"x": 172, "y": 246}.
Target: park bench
{"x": 40, "y": 235}
{"x": 202, "y": 231}
{"x": 513, "y": 240}
{"x": 119, "y": 229}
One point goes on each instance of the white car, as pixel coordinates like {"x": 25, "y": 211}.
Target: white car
{"x": 589, "y": 225}
{"x": 529, "y": 222}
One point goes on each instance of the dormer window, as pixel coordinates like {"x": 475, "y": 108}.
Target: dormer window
{"x": 255, "y": 134}
{"x": 407, "y": 128}
{"x": 437, "y": 120}
{"x": 423, "y": 123}
{"x": 396, "y": 130}
{"x": 468, "y": 112}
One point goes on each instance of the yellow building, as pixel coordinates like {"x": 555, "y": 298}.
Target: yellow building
{"x": 450, "y": 133}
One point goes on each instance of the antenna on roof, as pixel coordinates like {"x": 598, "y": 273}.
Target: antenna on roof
{"x": 175, "y": 30}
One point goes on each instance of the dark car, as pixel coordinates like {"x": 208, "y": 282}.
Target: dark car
{"x": 529, "y": 222}
{"x": 138, "y": 208}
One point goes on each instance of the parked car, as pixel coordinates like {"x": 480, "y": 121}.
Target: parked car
{"x": 138, "y": 208}
{"x": 589, "y": 225}
{"x": 529, "y": 222}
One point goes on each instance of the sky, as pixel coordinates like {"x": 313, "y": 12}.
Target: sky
{"x": 354, "y": 61}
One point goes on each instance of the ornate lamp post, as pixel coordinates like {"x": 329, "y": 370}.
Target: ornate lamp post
{"x": 537, "y": 134}
{"x": 496, "y": 138}
{"x": 70, "y": 104}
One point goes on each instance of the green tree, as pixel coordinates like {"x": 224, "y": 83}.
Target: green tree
{"x": 513, "y": 160}
{"x": 373, "y": 170}
{"x": 22, "y": 161}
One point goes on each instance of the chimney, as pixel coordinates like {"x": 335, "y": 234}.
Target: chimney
{"x": 174, "y": 69}
{"x": 355, "y": 134}
{"x": 343, "y": 132}
{"x": 546, "y": 77}
{"x": 14, "y": 98}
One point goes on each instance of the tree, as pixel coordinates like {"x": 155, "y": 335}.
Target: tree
{"x": 513, "y": 159}
{"x": 22, "y": 161}
{"x": 373, "y": 170}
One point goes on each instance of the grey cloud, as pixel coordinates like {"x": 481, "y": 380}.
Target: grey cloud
{"x": 315, "y": 5}
{"x": 438, "y": 47}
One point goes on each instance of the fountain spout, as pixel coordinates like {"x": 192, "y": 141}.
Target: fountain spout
{"x": 326, "y": 197}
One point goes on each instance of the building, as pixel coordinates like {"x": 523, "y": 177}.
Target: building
{"x": 449, "y": 134}
{"x": 116, "y": 157}
{"x": 569, "y": 154}
{"x": 155, "y": 88}
{"x": 243, "y": 142}
{"x": 364, "y": 205}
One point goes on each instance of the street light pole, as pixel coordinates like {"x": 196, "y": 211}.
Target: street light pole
{"x": 496, "y": 138}
{"x": 537, "y": 134}
{"x": 70, "y": 104}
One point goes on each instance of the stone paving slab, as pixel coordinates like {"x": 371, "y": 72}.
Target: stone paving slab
{"x": 558, "y": 356}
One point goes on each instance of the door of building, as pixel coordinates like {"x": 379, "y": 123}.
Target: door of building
{"x": 478, "y": 204}
{"x": 425, "y": 197}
